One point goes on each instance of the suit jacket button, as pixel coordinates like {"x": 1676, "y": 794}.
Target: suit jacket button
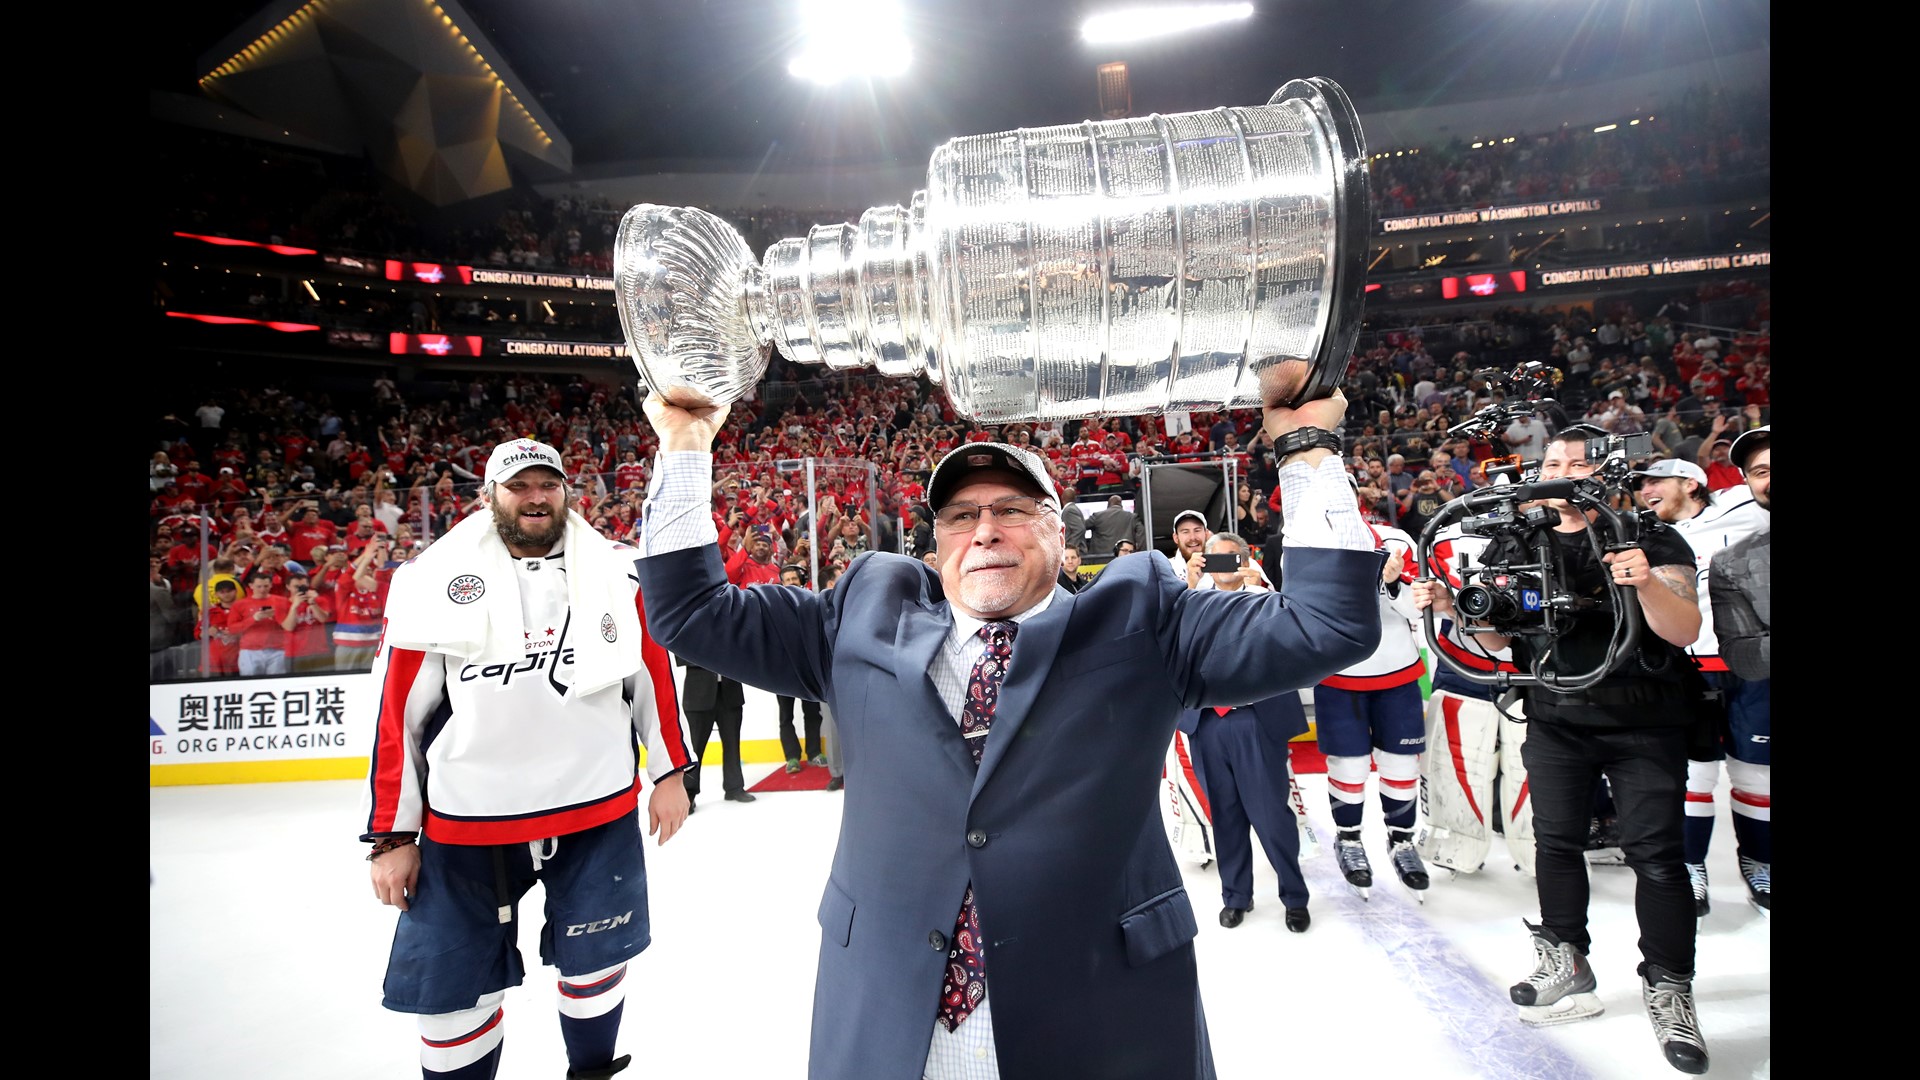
{"x": 938, "y": 940}
{"x": 977, "y": 838}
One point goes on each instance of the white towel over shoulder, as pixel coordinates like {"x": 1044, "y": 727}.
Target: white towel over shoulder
{"x": 461, "y": 597}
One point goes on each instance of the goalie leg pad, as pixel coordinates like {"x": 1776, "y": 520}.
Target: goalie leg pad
{"x": 1309, "y": 842}
{"x": 1456, "y": 781}
{"x": 1516, "y": 804}
{"x": 1184, "y": 809}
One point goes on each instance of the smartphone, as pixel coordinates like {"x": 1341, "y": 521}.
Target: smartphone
{"x": 1223, "y": 562}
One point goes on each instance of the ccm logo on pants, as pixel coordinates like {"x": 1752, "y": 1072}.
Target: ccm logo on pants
{"x": 595, "y": 927}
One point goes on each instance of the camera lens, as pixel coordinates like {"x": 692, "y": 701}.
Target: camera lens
{"x": 1476, "y": 601}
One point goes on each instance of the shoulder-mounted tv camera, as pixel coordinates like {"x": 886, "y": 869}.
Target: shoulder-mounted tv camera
{"x": 1519, "y": 583}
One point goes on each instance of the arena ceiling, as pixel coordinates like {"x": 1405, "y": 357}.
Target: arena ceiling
{"x": 593, "y": 86}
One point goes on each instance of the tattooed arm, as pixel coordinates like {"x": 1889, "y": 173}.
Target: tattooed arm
{"x": 1671, "y": 604}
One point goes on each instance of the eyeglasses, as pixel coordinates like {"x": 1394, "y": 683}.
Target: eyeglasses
{"x": 1013, "y": 512}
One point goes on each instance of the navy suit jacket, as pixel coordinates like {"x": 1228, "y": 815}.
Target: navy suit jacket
{"x": 1281, "y": 716}
{"x": 1089, "y": 932}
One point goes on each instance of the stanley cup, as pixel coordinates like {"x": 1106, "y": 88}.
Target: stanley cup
{"x": 1200, "y": 261}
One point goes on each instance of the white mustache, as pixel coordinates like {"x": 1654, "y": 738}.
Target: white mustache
{"x": 986, "y": 561}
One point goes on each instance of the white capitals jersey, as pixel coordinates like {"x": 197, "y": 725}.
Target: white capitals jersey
{"x": 1712, "y": 530}
{"x": 497, "y": 753}
{"x": 1396, "y": 660}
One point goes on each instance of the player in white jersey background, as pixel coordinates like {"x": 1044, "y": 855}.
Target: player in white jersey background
{"x": 1369, "y": 714}
{"x": 1738, "y": 712}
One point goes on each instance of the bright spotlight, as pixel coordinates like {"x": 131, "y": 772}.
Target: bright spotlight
{"x": 850, "y": 39}
{"x": 1140, "y": 23}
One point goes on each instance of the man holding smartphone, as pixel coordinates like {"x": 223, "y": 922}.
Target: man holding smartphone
{"x": 1242, "y": 756}
{"x": 1203, "y": 565}
{"x": 308, "y": 614}
{"x": 260, "y": 618}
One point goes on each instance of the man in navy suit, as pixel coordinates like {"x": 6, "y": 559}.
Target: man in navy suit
{"x": 1241, "y": 754}
{"x": 1003, "y": 742}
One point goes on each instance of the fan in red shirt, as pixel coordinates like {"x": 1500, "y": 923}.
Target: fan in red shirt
{"x": 1756, "y": 383}
{"x": 274, "y": 562}
{"x": 396, "y": 459}
{"x": 223, "y": 653}
{"x": 760, "y": 509}
{"x": 1085, "y": 457}
{"x": 193, "y": 484}
{"x": 631, "y": 474}
{"x": 1709, "y": 382}
{"x": 308, "y": 646}
{"x": 1113, "y": 461}
{"x": 168, "y": 502}
{"x": 269, "y": 530}
{"x": 260, "y": 620}
{"x": 752, "y": 562}
{"x": 294, "y": 445}
{"x": 359, "y": 462}
{"x": 1686, "y": 360}
{"x": 334, "y": 571}
{"x": 230, "y": 456}
{"x": 360, "y": 607}
{"x": 228, "y": 490}
{"x": 310, "y": 534}
{"x": 1231, "y": 449}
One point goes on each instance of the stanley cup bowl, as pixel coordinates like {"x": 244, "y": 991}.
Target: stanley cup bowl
{"x": 681, "y": 276}
{"x": 1199, "y": 261}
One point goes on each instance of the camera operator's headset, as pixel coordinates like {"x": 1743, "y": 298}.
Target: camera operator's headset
{"x": 1497, "y": 507}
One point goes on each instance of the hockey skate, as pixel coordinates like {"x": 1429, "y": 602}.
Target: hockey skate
{"x": 1353, "y": 861}
{"x": 1669, "y": 1000}
{"x": 1759, "y": 889}
{"x": 1406, "y": 862}
{"x": 1560, "y": 990}
{"x": 1603, "y": 843}
{"x": 1697, "y": 877}
{"x": 605, "y": 1072}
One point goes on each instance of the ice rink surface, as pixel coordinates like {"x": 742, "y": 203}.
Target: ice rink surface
{"x": 267, "y": 951}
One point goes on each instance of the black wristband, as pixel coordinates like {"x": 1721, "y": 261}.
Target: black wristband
{"x": 1307, "y": 438}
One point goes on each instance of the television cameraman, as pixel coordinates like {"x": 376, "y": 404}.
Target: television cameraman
{"x": 1631, "y": 726}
